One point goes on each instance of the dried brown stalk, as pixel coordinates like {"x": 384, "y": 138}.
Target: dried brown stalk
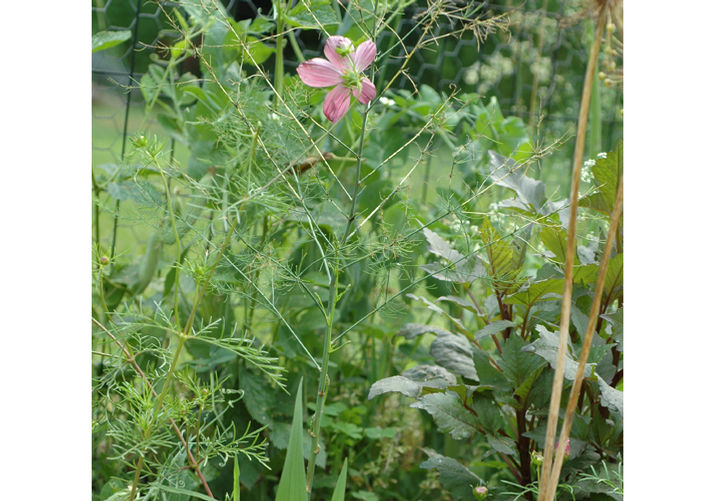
{"x": 584, "y": 355}
{"x": 569, "y": 262}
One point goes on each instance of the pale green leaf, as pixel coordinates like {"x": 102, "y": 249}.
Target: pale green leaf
{"x": 340, "y": 489}
{"x": 309, "y": 14}
{"x": 292, "y": 485}
{"x": 107, "y": 39}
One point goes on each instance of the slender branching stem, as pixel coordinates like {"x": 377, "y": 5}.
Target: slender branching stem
{"x": 137, "y": 368}
{"x": 569, "y": 261}
{"x": 202, "y": 288}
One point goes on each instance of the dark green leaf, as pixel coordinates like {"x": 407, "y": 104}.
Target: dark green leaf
{"x": 455, "y": 477}
{"x": 455, "y": 354}
{"x": 493, "y": 328}
{"x": 547, "y": 345}
{"x": 448, "y": 412}
{"x": 258, "y": 397}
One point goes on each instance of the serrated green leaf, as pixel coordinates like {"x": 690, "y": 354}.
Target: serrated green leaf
{"x": 107, "y": 39}
{"x": 547, "y": 346}
{"x": 501, "y": 444}
{"x": 455, "y": 477}
{"x": 520, "y": 367}
{"x": 501, "y": 258}
{"x": 448, "y": 413}
{"x": 614, "y": 274}
{"x": 610, "y": 397}
{"x": 555, "y": 240}
{"x": 293, "y": 480}
{"x": 487, "y": 374}
{"x": 552, "y": 288}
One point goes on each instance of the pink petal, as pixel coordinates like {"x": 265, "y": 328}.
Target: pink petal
{"x": 319, "y": 72}
{"x": 336, "y": 59}
{"x": 364, "y": 55}
{"x": 367, "y": 93}
{"x": 337, "y": 103}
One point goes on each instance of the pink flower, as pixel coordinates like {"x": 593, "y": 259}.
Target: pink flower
{"x": 344, "y": 71}
{"x": 567, "y": 447}
{"x": 480, "y": 492}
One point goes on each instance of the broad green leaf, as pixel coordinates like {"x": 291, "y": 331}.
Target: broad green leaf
{"x": 448, "y": 413}
{"x": 258, "y": 397}
{"x": 107, "y": 39}
{"x": 441, "y": 248}
{"x": 520, "y": 367}
{"x": 614, "y": 274}
{"x": 292, "y": 485}
{"x": 506, "y": 172}
{"x": 412, "y": 381}
{"x": 552, "y": 288}
{"x": 555, "y": 240}
{"x": 339, "y": 491}
{"x": 455, "y": 354}
{"x": 433, "y": 376}
{"x": 610, "y": 397}
{"x": 501, "y": 258}
{"x": 308, "y": 14}
{"x": 501, "y": 444}
{"x": 488, "y": 374}
{"x": 410, "y": 331}
{"x": 607, "y": 173}
{"x": 547, "y": 345}
{"x": 455, "y": 477}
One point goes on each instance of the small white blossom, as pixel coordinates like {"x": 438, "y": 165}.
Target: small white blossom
{"x": 387, "y": 102}
{"x": 601, "y": 155}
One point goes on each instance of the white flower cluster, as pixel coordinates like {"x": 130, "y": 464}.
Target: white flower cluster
{"x": 387, "y": 101}
{"x": 587, "y": 175}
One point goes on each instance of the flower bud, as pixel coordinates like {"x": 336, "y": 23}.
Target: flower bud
{"x": 104, "y": 260}
{"x": 480, "y": 492}
{"x": 567, "y": 448}
{"x": 536, "y": 458}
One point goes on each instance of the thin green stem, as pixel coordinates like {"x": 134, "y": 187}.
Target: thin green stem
{"x": 279, "y": 49}
{"x": 331, "y": 307}
{"x": 182, "y": 337}
{"x": 171, "y": 213}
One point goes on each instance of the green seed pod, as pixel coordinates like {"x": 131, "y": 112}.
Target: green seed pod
{"x": 149, "y": 262}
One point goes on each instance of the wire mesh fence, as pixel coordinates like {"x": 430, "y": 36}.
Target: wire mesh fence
{"x": 534, "y": 67}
